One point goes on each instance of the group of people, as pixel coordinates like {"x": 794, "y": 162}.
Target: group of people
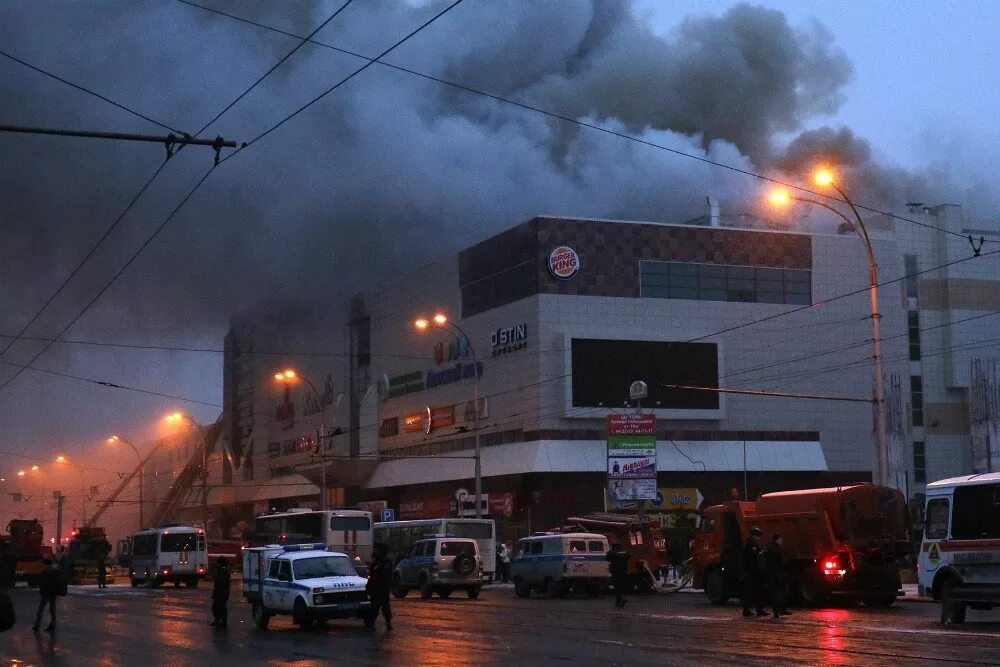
{"x": 763, "y": 576}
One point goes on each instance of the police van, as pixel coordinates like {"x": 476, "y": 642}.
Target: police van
{"x": 558, "y": 563}
{"x": 304, "y": 581}
{"x": 959, "y": 562}
{"x": 168, "y": 554}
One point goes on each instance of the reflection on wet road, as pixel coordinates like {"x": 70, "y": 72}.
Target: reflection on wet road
{"x": 125, "y": 627}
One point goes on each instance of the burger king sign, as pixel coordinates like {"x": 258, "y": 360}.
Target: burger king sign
{"x": 563, "y": 262}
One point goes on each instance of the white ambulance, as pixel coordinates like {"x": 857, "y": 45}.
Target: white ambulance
{"x": 304, "y": 581}
{"x": 959, "y": 562}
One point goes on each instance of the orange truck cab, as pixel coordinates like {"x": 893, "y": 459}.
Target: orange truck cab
{"x": 24, "y": 540}
{"x": 846, "y": 540}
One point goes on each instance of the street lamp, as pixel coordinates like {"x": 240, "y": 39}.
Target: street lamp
{"x": 441, "y": 320}
{"x": 288, "y": 376}
{"x": 825, "y": 177}
{"x": 177, "y": 418}
{"x": 114, "y": 440}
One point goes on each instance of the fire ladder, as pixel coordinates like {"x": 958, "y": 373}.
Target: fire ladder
{"x": 121, "y": 487}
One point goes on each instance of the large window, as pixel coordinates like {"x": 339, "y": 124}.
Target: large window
{"x": 913, "y": 330}
{"x": 604, "y": 369}
{"x": 936, "y": 522}
{"x": 350, "y": 523}
{"x": 917, "y": 400}
{"x": 977, "y": 512}
{"x": 910, "y": 269}
{"x": 173, "y": 542}
{"x": 919, "y": 463}
{"x": 719, "y": 282}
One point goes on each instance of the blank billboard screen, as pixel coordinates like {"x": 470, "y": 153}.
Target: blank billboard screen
{"x": 604, "y": 369}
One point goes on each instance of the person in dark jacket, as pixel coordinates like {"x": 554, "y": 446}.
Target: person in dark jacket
{"x": 220, "y": 593}
{"x": 48, "y": 588}
{"x": 379, "y": 585}
{"x": 618, "y": 560}
{"x": 8, "y": 567}
{"x": 775, "y": 577}
{"x": 751, "y": 590}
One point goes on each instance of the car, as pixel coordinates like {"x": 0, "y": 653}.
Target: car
{"x": 559, "y": 563}
{"x": 440, "y": 564}
{"x": 306, "y": 582}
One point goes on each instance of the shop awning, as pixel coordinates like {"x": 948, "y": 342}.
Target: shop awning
{"x": 591, "y": 456}
{"x": 285, "y": 486}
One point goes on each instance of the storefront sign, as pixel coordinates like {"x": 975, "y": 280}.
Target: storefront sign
{"x": 563, "y": 262}
{"x": 373, "y": 506}
{"x": 388, "y": 427}
{"x": 457, "y": 373}
{"x": 414, "y": 422}
{"x": 502, "y": 504}
{"x": 632, "y": 457}
{"x": 438, "y": 507}
{"x": 509, "y": 340}
{"x": 456, "y": 349}
{"x": 442, "y": 416}
{"x": 314, "y": 405}
{"x": 284, "y": 412}
{"x": 400, "y": 385}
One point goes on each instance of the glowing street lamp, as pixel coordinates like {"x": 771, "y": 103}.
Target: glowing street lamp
{"x": 34, "y": 468}
{"x": 20, "y": 473}
{"x": 60, "y": 459}
{"x": 827, "y": 178}
{"x": 116, "y": 439}
{"x": 289, "y": 376}
{"x": 441, "y": 320}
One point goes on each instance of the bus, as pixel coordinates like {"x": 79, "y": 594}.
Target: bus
{"x": 959, "y": 561}
{"x": 399, "y": 536}
{"x": 170, "y": 554}
{"x": 347, "y": 531}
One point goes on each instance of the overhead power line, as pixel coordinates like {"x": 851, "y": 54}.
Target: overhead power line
{"x": 91, "y": 92}
{"x": 171, "y": 141}
{"x": 766, "y": 393}
{"x": 155, "y": 233}
{"x": 577, "y": 121}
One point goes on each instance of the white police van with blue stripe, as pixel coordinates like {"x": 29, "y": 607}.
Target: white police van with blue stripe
{"x": 558, "y": 563}
{"x": 304, "y": 581}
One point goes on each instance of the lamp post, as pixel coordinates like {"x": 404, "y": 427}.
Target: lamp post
{"x": 289, "y": 376}
{"x": 441, "y": 320}
{"x": 826, "y": 178}
{"x": 114, "y": 440}
{"x": 83, "y": 486}
{"x": 177, "y": 418}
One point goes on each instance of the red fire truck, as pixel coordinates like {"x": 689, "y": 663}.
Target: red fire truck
{"x": 641, "y": 536}
{"x": 24, "y": 539}
{"x": 846, "y": 540}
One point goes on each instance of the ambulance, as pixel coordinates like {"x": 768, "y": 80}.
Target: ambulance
{"x": 959, "y": 562}
{"x": 304, "y": 581}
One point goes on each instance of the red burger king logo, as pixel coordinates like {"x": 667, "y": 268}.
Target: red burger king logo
{"x": 563, "y": 262}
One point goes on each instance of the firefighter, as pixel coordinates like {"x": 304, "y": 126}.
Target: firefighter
{"x": 751, "y": 591}
{"x": 775, "y": 577}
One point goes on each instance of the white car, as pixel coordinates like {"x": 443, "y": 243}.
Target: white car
{"x": 306, "y": 582}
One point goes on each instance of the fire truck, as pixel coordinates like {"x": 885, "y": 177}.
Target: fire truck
{"x": 641, "y": 536}
{"x": 24, "y": 539}
{"x": 87, "y": 549}
{"x": 847, "y": 540}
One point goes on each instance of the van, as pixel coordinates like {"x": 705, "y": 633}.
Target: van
{"x": 174, "y": 554}
{"x": 558, "y": 563}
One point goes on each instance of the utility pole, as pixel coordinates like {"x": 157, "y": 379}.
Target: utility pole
{"x": 59, "y": 512}
{"x": 171, "y": 141}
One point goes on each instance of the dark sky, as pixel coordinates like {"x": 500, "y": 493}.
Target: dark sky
{"x": 385, "y": 174}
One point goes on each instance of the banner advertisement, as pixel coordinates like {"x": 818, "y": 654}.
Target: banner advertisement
{"x": 631, "y": 452}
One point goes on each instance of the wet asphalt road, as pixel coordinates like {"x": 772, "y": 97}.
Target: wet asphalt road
{"x": 125, "y": 627}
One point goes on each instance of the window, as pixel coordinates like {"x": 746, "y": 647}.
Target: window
{"x": 417, "y": 549}
{"x": 455, "y": 548}
{"x": 284, "y": 570}
{"x": 305, "y": 528}
{"x": 272, "y": 570}
{"x": 577, "y": 546}
{"x": 324, "y": 566}
{"x": 977, "y": 512}
{"x": 274, "y": 449}
{"x": 144, "y": 545}
{"x": 910, "y": 269}
{"x": 536, "y": 547}
{"x": 349, "y": 523}
{"x": 917, "y": 400}
{"x": 718, "y": 282}
{"x": 913, "y": 328}
{"x": 936, "y": 523}
{"x": 596, "y": 547}
{"x": 919, "y": 463}
{"x": 478, "y": 531}
{"x": 523, "y": 547}
{"x": 173, "y": 542}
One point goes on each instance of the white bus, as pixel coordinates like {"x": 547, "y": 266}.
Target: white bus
{"x": 959, "y": 562}
{"x": 175, "y": 554}
{"x": 399, "y": 536}
{"x": 345, "y": 531}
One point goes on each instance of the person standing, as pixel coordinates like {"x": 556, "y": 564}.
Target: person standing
{"x": 379, "y": 586}
{"x": 751, "y": 593}
{"x": 102, "y": 563}
{"x": 775, "y": 578}
{"x": 48, "y": 588}
{"x": 503, "y": 562}
{"x": 220, "y": 593}
{"x": 618, "y": 564}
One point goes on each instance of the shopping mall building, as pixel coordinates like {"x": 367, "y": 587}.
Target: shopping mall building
{"x": 556, "y": 317}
